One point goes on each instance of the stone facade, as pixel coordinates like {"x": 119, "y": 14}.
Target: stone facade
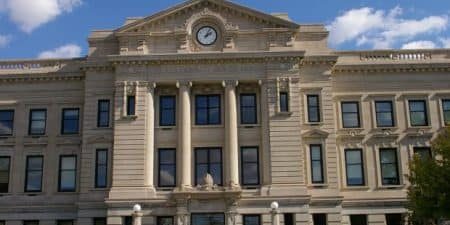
{"x": 275, "y": 60}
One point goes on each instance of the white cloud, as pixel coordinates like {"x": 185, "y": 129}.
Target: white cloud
{"x": 445, "y": 42}
{"x": 4, "y": 40}
{"x": 382, "y": 29}
{"x": 66, "y": 51}
{"x": 419, "y": 45}
{"x": 30, "y": 14}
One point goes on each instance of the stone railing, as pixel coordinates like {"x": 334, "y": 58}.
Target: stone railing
{"x": 395, "y": 55}
{"x": 36, "y": 65}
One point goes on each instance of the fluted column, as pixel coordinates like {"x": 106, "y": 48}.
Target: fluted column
{"x": 231, "y": 132}
{"x": 184, "y": 134}
{"x": 150, "y": 133}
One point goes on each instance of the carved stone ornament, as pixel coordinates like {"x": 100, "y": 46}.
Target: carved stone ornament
{"x": 208, "y": 183}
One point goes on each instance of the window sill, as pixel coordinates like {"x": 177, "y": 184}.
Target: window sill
{"x": 102, "y": 128}
{"x": 356, "y": 188}
{"x": 165, "y": 127}
{"x": 314, "y": 123}
{"x": 249, "y": 125}
{"x": 324, "y": 185}
{"x": 387, "y": 187}
{"x": 208, "y": 126}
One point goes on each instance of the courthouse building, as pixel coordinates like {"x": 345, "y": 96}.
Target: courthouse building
{"x": 209, "y": 112}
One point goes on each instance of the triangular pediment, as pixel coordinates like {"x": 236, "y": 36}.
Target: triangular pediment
{"x": 315, "y": 133}
{"x": 195, "y": 6}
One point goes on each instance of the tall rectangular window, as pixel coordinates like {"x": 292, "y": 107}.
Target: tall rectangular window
{"x": 313, "y": 108}
{"x": 248, "y": 109}
{"x": 64, "y": 222}
{"x": 167, "y": 110}
{"x": 33, "y": 176}
{"x": 354, "y": 167}
{"x": 446, "y": 111}
{"x": 423, "y": 152}
{"x": 208, "y": 219}
{"x": 31, "y": 222}
{"x": 131, "y": 105}
{"x": 67, "y": 173}
{"x": 37, "y": 123}
{"x": 99, "y": 221}
{"x": 289, "y": 219}
{"x": 208, "y": 160}
{"x": 127, "y": 220}
{"x": 101, "y": 168}
{"x": 249, "y": 166}
{"x": 207, "y": 109}
{"x": 389, "y": 166}
{"x": 418, "y": 113}
{"x": 350, "y": 114}
{"x": 251, "y": 220}
{"x": 394, "y": 219}
{"x": 5, "y": 162}
{"x": 284, "y": 102}
{"x": 164, "y": 220}
{"x": 320, "y": 219}
{"x": 6, "y": 122}
{"x": 384, "y": 113}
{"x": 167, "y": 167}
{"x": 316, "y": 164}
{"x": 70, "y": 121}
{"x": 103, "y": 113}
{"x": 358, "y": 219}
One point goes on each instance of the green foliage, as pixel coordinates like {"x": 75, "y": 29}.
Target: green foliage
{"x": 429, "y": 193}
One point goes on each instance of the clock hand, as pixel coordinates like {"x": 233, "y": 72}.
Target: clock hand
{"x": 207, "y": 34}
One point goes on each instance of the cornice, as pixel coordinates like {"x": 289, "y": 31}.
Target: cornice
{"x": 319, "y": 60}
{"x": 45, "y": 77}
{"x": 392, "y": 68}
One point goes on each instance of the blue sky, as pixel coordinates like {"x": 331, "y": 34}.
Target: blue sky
{"x": 59, "y": 28}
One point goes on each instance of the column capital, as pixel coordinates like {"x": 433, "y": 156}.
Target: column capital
{"x": 150, "y": 85}
{"x": 227, "y": 83}
{"x": 184, "y": 83}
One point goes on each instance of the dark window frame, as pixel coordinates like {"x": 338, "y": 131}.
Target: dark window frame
{"x": 159, "y": 218}
{"x": 159, "y": 167}
{"x": 284, "y": 94}
{"x": 9, "y": 173}
{"x": 58, "y": 222}
{"x": 394, "y": 216}
{"x": 60, "y": 173}
{"x": 428, "y": 149}
{"x": 208, "y": 213}
{"x": 12, "y": 121}
{"x": 27, "y": 170}
{"x": 208, "y": 108}
{"x": 100, "y": 113}
{"x": 396, "y": 166}
{"x": 96, "y": 219}
{"x": 209, "y": 163}
{"x": 357, "y": 215}
{"x": 254, "y": 107}
{"x": 391, "y": 112}
{"x": 97, "y": 164}
{"x": 317, "y": 107}
{"x": 320, "y": 215}
{"x": 31, "y": 120}
{"x": 425, "y": 112}
{"x": 257, "y": 164}
{"x": 358, "y": 113}
{"x": 321, "y": 164}
{"x": 63, "y": 120}
{"x": 361, "y": 166}
{"x": 289, "y": 216}
{"x": 251, "y": 215}
{"x": 127, "y": 220}
{"x": 444, "y": 101}
{"x": 27, "y": 222}
{"x": 172, "y": 109}
{"x": 131, "y": 107}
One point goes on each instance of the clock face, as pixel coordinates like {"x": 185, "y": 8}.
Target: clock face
{"x": 206, "y": 35}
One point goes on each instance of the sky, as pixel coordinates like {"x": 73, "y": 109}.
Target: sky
{"x": 59, "y": 28}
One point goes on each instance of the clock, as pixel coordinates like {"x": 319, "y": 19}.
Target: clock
{"x": 206, "y": 35}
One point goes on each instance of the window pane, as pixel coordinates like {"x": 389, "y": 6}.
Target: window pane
{"x": 167, "y": 156}
{"x": 101, "y": 176}
{"x": 248, "y": 100}
{"x": 67, "y": 180}
{"x": 167, "y": 175}
{"x": 102, "y": 168}
{"x": 4, "y": 174}
{"x": 201, "y": 116}
{"x": 316, "y": 171}
{"x": 250, "y": 174}
{"x": 68, "y": 163}
{"x": 316, "y": 152}
{"x": 70, "y": 121}
{"x": 37, "y": 127}
{"x": 251, "y": 220}
{"x": 103, "y": 113}
{"x": 6, "y": 122}
{"x": 249, "y": 154}
{"x": 131, "y": 105}
{"x": 353, "y": 157}
{"x": 214, "y": 116}
{"x": 350, "y": 120}
{"x": 248, "y": 116}
{"x": 67, "y": 173}
{"x": 165, "y": 221}
{"x": 383, "y": 106}
{"x": 284, "y": 107}
{"x": 216, "y": 172}
{"x": 313, "y": 114}
{"x": 358, "y": 220}
{"x": 418, "y": 119}
{"x": 201, "y": 156}
{"x": 384, "y": 119}
{"x": 446, "y": 104}
{"x": 417, "y": 106}
{"x": 394, "y": 219}
{"x": 215, "y": 156}
{"x": 99, "y": 221}
{"x": 423, "y": 153}
{"x": 208, "y": 161}
{"x": 71, "y": 114}
{"x": 208, "y": 219}
{"x": 214, "y": 101}
{"x": 319, "y": 219}
{"x": 167, "y": 110}
{"x": 349, "y": 107}
{"x": 201, "y": 171}
{"x": 201, "y": 101}
{"x": 34, "y": 180}
{"x": 354, "y": 167}
{"x": 38, "y": 115}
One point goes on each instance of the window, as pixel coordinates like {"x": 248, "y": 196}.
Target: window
{"x": 385, "y": 113}
{"x": 64, "y": 222}
{"x": 67, "y": 173}
{"x": 320, "y": 219}
{"x": 127, "y": 220}
{"x": 208, "y": 219}
{"x": 394, "y": 219}
{"x": 207, "y": 109}
{"x": 131, "y": 105}
{"x": 99, "y": 221}
{"x": 251, "y": 219}
{"x": 31, "y": 222}
{"x": 389, "y": 166}
{"x": 103, "y": 113}
{"x": 164, "y": 220}
{"x": 418, "y": 113}
{"x": 248, "y": 109}
{"x": 101, "y": 168}
{"x": 358, "y": 219}
{"x": 38, "y": 118}
{"x": 289, "y": 219}
{"x": 284, "y": 102}
{"x": 446, "y": 111}
{"x": 316, "y": 164}
{"x": 33, "y": 176}
{"x": 2, "y": 222}
{"x": 6, "y": 122}
{"x": 167, "y": 111}
{"x": 249, "y": 166}
{"x": 167, "y": 168}
{"x": 70, "y": 121}
{"x": 313, "y": 108}
{"x": 423, "y": 152}
{"x": 350, "y": 115}
{"x": 354, "y": 167}
{"x": 4, "y": 173}
{"x": 208, "y": 160}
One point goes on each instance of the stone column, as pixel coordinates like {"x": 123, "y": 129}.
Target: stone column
{"x": 231, "y": 212}
{"x": 265, "y": 140}
{"x": 275, "y": 217}
{"x": 231, "y": 132}
{"x": 137, "y": 218}
{"x": 150, "y": 133}
{"x": 184, "y": 134}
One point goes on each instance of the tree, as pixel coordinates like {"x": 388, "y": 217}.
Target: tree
{"x": 429, "y": 193}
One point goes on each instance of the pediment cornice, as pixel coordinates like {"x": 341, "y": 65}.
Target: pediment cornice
{"x": 392, "y": 68}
